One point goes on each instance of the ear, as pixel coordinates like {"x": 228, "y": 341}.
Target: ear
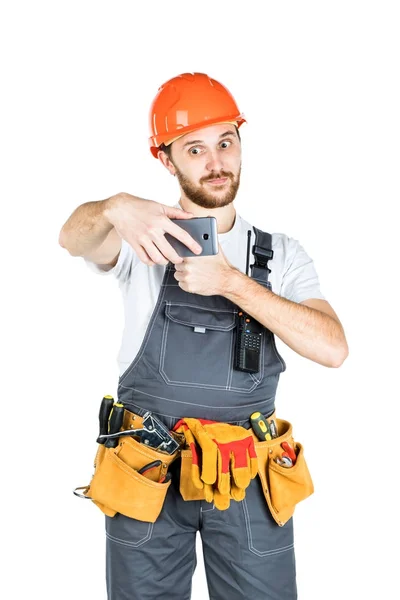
{"x": 166, "y": 161}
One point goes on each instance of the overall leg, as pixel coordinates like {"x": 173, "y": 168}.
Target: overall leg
{"x": 246, "y": 553}
{"x": 149, "y": 561}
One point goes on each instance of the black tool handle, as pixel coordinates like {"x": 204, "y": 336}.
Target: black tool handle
{"x": 116, "y": 420}
{"x": 155, "y": 463}
{"x": 104, "y": 414}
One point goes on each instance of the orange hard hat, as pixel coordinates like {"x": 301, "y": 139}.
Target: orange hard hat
{"x": 188, "y": 102}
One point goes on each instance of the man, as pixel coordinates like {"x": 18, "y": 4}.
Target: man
{"x": 194, "y": 124}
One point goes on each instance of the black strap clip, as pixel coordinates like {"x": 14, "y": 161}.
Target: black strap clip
{"x": 262, "y": 256}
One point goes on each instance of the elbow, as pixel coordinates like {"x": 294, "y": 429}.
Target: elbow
{"x": 62, "y": 240}
{"x": 339, "y": 356}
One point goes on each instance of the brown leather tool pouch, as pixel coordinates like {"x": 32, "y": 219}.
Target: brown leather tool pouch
{"x": 117, "y": 487}
{"x": 283, "y": 487}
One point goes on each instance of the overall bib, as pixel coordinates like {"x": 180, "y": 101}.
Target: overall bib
{"x": 184, "y": 368}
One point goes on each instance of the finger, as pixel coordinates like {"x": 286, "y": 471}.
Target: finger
{"x": 183, "y": 236}
{"x": 167, "y": 250}
{"x": 155, "y": 254}
{"x": 237, "y": 493}
{"x": 208, "y": 492}
{"x": 142, "y": 255}
{"x": 221, "y": 501}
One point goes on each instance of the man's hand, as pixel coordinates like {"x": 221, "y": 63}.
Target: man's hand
{"x": 205, "y": 275}
{"x": 143, "y": 223}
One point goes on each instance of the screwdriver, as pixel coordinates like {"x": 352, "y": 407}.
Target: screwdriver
{"x": 260, "y": 426}
{"x": 104, "y": 414}
{"x": 116, "y": 420}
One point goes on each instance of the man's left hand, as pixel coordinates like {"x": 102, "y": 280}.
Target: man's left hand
{"x": 205, "y": 275}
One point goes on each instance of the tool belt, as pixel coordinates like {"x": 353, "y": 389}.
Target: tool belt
{"x": 118, "y": 487}
{"x": 283, "y": 487}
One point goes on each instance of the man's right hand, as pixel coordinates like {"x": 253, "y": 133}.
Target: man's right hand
{"x": 143, "y": 223}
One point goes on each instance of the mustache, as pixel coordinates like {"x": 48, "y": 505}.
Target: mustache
{"x": 217, "y": 176}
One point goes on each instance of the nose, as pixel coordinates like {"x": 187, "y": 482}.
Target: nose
{"x": 214, "y": 162}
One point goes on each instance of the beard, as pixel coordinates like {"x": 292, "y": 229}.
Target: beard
{"x": 200, "y": 196}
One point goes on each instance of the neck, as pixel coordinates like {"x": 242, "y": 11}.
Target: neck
{"x": 225, "y": 215}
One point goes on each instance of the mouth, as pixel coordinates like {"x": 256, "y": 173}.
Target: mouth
{"x": 219, "y": 181}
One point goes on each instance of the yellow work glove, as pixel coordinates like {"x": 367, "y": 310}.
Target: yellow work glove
{"x": 228, "y": 458}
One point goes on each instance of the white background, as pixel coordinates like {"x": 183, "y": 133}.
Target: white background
{"x": 319, "y": 85}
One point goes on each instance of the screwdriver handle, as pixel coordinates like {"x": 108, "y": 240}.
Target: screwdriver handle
{"x": 104, "y": 414}
{"x": 260, "y": 426}
{"x": 116, "y": 420}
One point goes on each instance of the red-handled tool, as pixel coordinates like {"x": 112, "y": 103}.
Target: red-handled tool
{"x": 288, "y": 448}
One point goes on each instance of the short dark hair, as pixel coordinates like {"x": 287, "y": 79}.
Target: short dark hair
{"x": 168, "y": 149}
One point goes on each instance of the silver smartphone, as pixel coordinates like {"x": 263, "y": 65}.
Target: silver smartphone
{"x": 202, "y": 229}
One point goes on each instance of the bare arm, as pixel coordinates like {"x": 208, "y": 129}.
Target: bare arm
{"x": 313, "y": 331}
{"x": 89, "y": 233}
{"x": 95, "y": 229}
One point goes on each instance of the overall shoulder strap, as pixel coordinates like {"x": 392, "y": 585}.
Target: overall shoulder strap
{"x": 262, "y": 252}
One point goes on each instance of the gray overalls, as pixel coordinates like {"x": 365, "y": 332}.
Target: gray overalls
{"x": 184, "y": 368}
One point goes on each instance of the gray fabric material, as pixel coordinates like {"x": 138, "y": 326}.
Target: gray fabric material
{"x": 183, "y": 371}
{"x": 246, "y": 554}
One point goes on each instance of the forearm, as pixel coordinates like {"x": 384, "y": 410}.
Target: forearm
{"x": 309, "y": 332}
{"x": 87, "y": 227}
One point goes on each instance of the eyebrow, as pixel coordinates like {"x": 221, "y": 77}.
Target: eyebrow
{"x": 201, "y": 141}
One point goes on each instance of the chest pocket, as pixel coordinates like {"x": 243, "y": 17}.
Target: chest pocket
{"x": 197, "y": 348}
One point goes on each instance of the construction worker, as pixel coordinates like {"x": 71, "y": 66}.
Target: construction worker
{"x": 170, "y": 366}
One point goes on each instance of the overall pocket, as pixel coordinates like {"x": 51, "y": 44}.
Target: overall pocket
{"x": 192, "y": 337}
{"x": 117, "y": 487}
{"x": 283, "y": 487}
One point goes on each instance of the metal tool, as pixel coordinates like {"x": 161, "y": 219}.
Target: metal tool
{"x": 283, "y": 462}
{"x": 153, "y": 433}
{"x": 273, "y": 428}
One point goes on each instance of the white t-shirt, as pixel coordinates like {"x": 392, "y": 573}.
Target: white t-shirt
{"x": 293, "y": 276}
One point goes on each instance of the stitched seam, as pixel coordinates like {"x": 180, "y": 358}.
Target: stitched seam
{"x": 198, "y": 324}
{"x": 250, "y": 538}
{"x": 232, "y": 358}
{"x": 132, "y": 544}
{"x": 207, "y": 509}
{"x": 202, "y": 307}
{"x": 225, "y": 406}
{"x": 163, "y": 347}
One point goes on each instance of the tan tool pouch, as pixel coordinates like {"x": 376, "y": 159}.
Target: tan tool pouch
{"x": 283, "y": 487}
{"x": 117, "y": 487}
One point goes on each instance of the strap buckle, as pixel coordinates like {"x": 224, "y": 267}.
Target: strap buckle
{"x": 262, "y": 256}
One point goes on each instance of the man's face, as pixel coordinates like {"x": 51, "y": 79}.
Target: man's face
{"x": 207, "y": 163}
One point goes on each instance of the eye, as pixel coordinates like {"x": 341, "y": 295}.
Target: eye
{"x": 227, "y": 143}
{"x": 194, "y": 151}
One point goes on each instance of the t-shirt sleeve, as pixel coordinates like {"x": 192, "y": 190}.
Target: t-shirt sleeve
{"x": 300, "y": 279}
{"x": 127, "y": 259}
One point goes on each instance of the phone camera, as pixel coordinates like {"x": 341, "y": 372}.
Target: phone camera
{"x": 205, "y": 236}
